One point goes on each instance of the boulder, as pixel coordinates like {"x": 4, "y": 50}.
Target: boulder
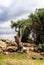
{"x": 11, "y": 48}
{"x": 5, "y": 53}
{"x": 31, "y": 49}
{"x": 9, "y": 42}
{"x": 42, "y": 53}
{"x": 35, "y": 49}
{"x": 4, "y": 40}
{"x": 26, "y": 44}
{"x": 26, "y": 50}
{"x": 3, "y": 45}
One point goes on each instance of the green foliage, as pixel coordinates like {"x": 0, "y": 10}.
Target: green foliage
{"x": 26, "y": 34}
{"x": 37, "y": 16}
{"x": 13, "y": 24}
{"x": 40, "y": 14}
{"x": 24, "y": 24}
{"x": 21, "y": 23}
{"x": 41, "y": 47}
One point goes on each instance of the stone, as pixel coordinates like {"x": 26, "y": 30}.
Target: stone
{"x": 6, "y": 53}
{"x": 35, "y": 49}
{"x": 42, "y": 53}
{"x": 31, "y": 49}
{"x": 11, "y": 48}
{"x": 3, "y": 45}
{"x": 26, "y": 50}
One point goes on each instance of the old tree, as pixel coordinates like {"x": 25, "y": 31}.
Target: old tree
{"x": 21, "y": 26}
{"x": 34, "y": 23}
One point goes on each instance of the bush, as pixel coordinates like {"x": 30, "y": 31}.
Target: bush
{"x": 41, "y": 47}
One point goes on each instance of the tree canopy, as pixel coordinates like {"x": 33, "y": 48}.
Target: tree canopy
{"x": 37, "y": 17}
{"x": 34, "y": 22}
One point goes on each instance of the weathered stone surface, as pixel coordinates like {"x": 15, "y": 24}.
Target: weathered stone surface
{"x": 31, "y": 49}
{"x": 3, "y": 45}
{"x": 42, "y": 53}
{"x": 9, "y": 42}
{"x": 11, "y": 48}
{"x": 6, "y": 53}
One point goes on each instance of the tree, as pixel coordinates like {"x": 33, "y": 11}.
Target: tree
{"x": 18, "y": 37}
{"x": 22, "y": 25}
{"x": 38, "y": 24}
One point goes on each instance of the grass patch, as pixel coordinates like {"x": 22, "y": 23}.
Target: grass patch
{"x": 18, "y": 59}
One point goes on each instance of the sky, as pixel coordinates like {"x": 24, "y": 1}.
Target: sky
{"x": 16, "y": 9}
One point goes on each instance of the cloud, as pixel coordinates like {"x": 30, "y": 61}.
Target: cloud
{"x": 5, "y": 24}
{"x": 12, "y": 9}
{"x": 5, "y": 3}
{"x": 16, "y": 9}
{"x": 6, "y": 29}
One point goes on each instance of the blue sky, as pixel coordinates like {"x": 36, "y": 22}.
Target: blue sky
{"x": 16, "y": 9}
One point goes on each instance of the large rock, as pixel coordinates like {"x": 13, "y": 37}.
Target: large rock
{"x": 9, "y": 42}
{"x": 26, "y": 50}
{"x": 3, "y": 45}
{"x": 11, "y": 48}
{"x": 7, "y": 45}
{"x": 31, "y": 49}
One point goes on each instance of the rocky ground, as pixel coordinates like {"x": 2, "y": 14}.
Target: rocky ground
{"x": 7, "y": 46}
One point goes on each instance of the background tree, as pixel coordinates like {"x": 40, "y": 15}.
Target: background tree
{"x": 38, "y": 22}
{"x": 38, "y": 25}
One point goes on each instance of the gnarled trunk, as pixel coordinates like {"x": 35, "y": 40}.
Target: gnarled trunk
{"x": 18, "y": 41}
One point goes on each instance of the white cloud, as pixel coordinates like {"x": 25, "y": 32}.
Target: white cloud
{"x": 40, "y": 4}
{"x": 5, "y": 24}
{"x": 17, "y": 9}
{"x": 12, "y": 9}
{"x": 5, "y": 28}
{"x": 5, "y": 3}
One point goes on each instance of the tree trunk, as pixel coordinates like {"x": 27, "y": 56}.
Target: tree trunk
{"x": 18, "y": 41}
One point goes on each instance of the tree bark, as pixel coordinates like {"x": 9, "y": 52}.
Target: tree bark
{"x": 18, "y": 41}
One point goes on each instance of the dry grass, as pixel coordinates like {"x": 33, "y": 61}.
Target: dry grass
{"x": 18, "y": 59}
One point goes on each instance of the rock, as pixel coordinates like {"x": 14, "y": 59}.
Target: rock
{"x": 26, "y": 50}
{"x": 9, "y": 42}
{"x": 41, "y": 58}
{"x": 4, "y": 40}
{"x": 3, "y": 45}
{"x": 42, "y": 53}
{"x": 39, "y": 51}
{"x": 34, "y": 57}
{"x": 6, "y": 53}
{"x": 13, "y": 43}
{"x": 11, "y": 48}
{"x": 35, "y": 49}
{"x": 31, "y": 49}
{"x": 26, "y": 44}
{"x": 7, "y": 45}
